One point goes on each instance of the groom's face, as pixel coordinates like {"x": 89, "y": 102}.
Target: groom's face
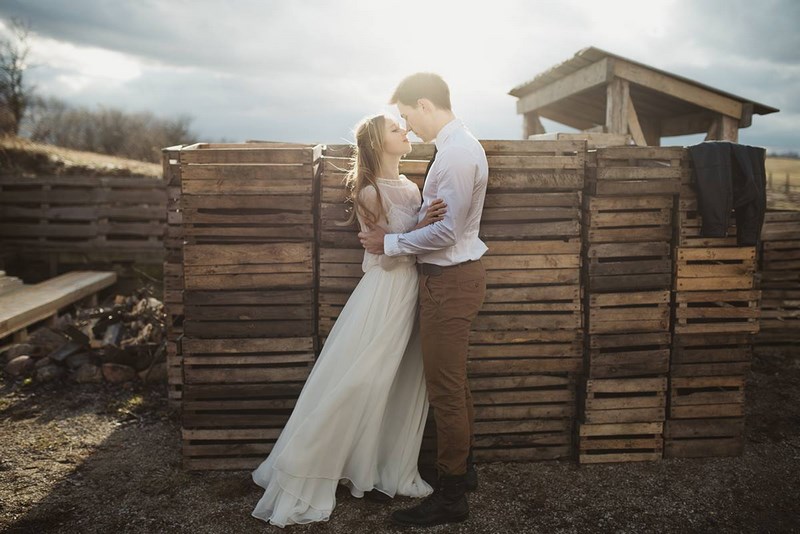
{"x": 416, "y": 120}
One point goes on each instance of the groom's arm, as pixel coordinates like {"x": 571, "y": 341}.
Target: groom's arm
{"x": 456, "y": 181}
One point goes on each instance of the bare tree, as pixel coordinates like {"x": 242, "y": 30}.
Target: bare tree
{"x": 14, "y": 93}
{"x": 105, "y": 129}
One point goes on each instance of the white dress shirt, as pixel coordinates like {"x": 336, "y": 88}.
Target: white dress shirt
{"x": 459, "y": 175}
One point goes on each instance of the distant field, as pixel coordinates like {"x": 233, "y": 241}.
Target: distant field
{"x": 783, "y": 183}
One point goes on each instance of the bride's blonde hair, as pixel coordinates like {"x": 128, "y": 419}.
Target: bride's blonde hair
{"x": 364, "y": 168}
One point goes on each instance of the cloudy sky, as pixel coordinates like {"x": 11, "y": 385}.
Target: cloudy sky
{"x": 307, "y": 70}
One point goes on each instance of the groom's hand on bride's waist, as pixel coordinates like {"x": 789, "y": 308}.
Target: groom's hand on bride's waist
{"x": 372, "y": 239}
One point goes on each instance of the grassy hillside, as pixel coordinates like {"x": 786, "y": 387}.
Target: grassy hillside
{"x": 23, "y": 157}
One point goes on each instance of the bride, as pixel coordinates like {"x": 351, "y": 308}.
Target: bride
{"x": 360, "y": 416}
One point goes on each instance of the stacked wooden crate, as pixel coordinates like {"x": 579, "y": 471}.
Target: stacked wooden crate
{"x": 173, "y": 273}
{"x": 627, "y": 247}
{"x": 780, "y": 283}
{"x": 716, "y": 317}
{"x": 526, "y": 345}
{"x": 249, "y": 326}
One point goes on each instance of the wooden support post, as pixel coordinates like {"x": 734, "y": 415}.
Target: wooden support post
{"x": 633, "y": 125}
{"x": 617, "y": 98}
{"x": 651, "y": 128}
{"x": 531, "y": 125}
{"x": 714, "y": 129}
{"x": 723, "y": 128}
{"x": 729, "y": 130}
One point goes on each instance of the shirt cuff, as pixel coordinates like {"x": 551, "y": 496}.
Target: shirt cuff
{"x": 391, "y": 247}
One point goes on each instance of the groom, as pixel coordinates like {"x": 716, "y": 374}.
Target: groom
{"x": 452, "y": 285}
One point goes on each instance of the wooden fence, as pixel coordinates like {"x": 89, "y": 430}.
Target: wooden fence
{"x": 611, "y": 330}
{"x": 72, "y": 220}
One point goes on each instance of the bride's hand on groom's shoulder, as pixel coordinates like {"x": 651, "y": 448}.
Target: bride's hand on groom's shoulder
{"x": 435, "y": 213}
{"x": 372, "y": 239}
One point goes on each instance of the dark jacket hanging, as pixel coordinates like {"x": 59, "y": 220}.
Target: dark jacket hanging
{"x": 730, "y": 176}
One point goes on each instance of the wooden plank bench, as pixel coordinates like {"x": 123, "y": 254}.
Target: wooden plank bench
{"x": 37, "y": 302}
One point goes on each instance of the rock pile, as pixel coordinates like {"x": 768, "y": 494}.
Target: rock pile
{"x": 123, "y": 340}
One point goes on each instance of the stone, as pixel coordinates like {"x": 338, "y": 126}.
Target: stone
{"x": 117, "y": 373}
{"x": 20, "y": 366}
{"x": 46, "y": 339}
{"x": 76, "y": 360}
{"x": 88, "y": 373}
{"x": 157, "y": 374}
{"x": 20, "y": 349}
{"x": 48, "y": 373}
{"x": 41, "y": 362}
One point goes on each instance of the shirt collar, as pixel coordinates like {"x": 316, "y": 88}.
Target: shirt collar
{"x": 447, "y": 129}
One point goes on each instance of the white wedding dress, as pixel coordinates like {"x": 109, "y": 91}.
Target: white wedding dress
{"x": 360, "y": 416}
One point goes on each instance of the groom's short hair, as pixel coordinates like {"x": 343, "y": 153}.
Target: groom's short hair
{"x": 422, "y": 85}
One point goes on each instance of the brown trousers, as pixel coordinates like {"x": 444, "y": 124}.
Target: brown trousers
{"x": 448, "y": 304}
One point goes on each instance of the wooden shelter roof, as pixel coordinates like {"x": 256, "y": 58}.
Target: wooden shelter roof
{"x": 574, "y": 93}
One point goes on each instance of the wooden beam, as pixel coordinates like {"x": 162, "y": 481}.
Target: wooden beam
{"x": 651, "y": 129}
{"x": 633, "y": 125}
{"x": 580, "y": 80}
{"x": 617, "y": 100}
{"x": 677, "y": 88}
{"x": 686, "y": 124}
{"x": 531, "y": 125}
{"x": 578, "y": 123}
{"x": 747, "y": 115}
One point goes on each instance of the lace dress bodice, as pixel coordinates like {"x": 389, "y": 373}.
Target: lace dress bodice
{"x": 401, "y": 201}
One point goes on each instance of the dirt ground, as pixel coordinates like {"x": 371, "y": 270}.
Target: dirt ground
{"x": 95, "y": 458}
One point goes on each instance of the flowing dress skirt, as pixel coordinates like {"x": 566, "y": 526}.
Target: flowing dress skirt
{"x": 360, "y": 416}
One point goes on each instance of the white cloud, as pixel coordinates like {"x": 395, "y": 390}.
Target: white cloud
{"x": 309, "y": 70}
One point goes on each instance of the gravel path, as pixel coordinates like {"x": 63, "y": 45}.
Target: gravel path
{"x": 99, "y": 459}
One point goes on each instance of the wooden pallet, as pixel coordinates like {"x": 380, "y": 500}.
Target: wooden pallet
{"x": 696, "y": 438}
{"x": 620, "y": 313}
{"x": 701, "y": 269}
{"x": 238, "y": 394}
{"x": 267, "y": 195}
{"x": 86, "y": 214}
{"x": 626, "y": 171}
{"x": 628, "y": 266}
{"x": 627, "y": 219}
{"x": 706, "y": 396}
{"x": 628, "y": 355}
{"x": 8, "y": 283}
{"x": 780, "y": 282}
{"x": 625, "y": 400}
{"x": 715, "y": 354}
{"x": 512, "y": 352}
{"x": 249, "y": 267}
{"x": 30, "y": 304}
{"x": 620, "y": 442}
{"x": 523, "y": 418}
{"x": 173, "y": 273}
{"x": 717, "y": 311}
{"x": 541, "y": 166}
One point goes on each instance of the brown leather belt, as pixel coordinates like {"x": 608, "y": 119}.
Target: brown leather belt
{"x": 431, "y": 269}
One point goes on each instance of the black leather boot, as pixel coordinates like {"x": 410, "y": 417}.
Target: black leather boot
{"x": 447, "y": 504}
{"x": 471, "y": 478}
{"x": 377, "y": 496}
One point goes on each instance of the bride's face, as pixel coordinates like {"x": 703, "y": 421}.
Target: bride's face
{"x": 395, "y": 138}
